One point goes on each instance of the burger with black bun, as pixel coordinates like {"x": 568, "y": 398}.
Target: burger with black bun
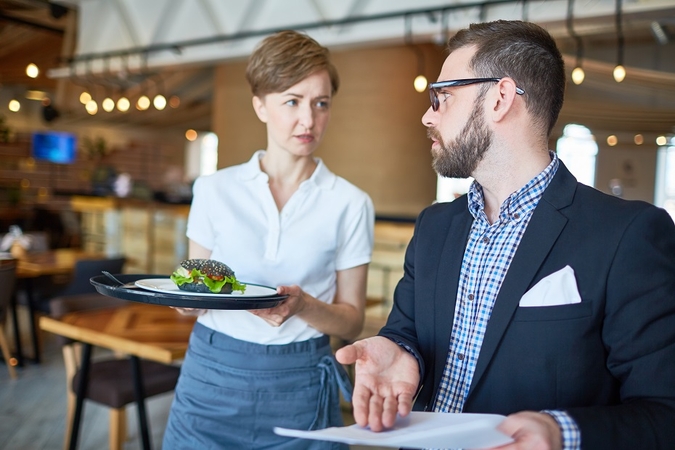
{"x": 206, "y": 276}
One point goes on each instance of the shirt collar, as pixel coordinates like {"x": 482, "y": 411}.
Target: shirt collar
{"x": 520, "y": 203}
{"x": 321, "y": 177}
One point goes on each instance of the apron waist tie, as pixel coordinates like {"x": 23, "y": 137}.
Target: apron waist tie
{"x": 333, "y": 377}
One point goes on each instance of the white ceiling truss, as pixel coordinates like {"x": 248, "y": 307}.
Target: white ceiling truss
{"x": 136, "y": 47}
{"x": 128, "y": 35}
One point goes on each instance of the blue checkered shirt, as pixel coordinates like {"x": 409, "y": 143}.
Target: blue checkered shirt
{"x": 487, "y": 258}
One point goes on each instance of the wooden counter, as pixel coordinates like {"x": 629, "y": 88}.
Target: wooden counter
{"x": 150, "y": 234}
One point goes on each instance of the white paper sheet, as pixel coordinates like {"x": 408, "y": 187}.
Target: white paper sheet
{"x": 418, "y": 430}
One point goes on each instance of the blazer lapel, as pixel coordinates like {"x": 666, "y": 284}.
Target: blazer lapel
{"x": 447, "y": 280}
{"x": 541, "y": 234}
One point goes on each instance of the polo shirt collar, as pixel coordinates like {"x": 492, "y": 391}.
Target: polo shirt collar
{"x": 322, "y": 176}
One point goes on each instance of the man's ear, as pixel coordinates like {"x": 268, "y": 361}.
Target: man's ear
{"x": 503, "y": 102}
{"x": 259, "y": 108}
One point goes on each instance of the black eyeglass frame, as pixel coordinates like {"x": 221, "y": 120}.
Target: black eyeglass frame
{"x": 434, "y": 87}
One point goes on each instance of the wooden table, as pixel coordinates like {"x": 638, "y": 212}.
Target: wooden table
{"x": 152, "y": 332}
{"x": 53, "y": 262}
{"x": 31, "y": 266}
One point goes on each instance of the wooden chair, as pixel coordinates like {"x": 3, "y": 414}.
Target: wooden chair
{"x": 85, "y": 269}
{"x": 110, "y": 381}
{"x": 7, "y": 278}
{"x": 38, "y": 302}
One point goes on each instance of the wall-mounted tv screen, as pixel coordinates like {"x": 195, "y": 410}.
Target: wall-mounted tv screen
{"x": 57, "y": 147}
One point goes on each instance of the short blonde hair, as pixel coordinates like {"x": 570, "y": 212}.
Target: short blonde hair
{"x": 286, "y": 58}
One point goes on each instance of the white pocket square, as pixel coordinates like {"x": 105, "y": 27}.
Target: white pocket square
{"x": 559, "y": 288}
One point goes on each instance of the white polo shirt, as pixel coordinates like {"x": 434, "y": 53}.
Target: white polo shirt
{"x": 326, "y": 226}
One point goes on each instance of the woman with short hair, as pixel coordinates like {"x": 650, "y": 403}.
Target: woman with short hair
{"x": 281, "y": 219}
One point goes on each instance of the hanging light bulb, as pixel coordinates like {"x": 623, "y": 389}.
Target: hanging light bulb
{"x": 123, "y": 104}
{"x": 420, "y": 83}
{"x": 578, "y": 75}
{"x": 159, "y": 101}
{"x": 32, "y": 70}
{"x": 619, "y": 73}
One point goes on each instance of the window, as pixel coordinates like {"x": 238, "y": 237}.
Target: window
{"x": 664, "y": 191}
{"x": 578, "y": 150}
{"x": 448, "y": 189}
{"x": 201, "y": 155}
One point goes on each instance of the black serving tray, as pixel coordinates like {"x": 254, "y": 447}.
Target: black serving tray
{"x": 106, "y": 286}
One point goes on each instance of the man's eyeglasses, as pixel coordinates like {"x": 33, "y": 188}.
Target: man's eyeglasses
{"x": 435, "y": 87}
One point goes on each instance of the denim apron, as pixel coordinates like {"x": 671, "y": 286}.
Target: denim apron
{"x": 232, "y": 393}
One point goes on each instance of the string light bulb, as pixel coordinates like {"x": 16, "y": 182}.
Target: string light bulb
{"x": 174, "y": 101}
{"x": 159, "y": 102}
{"x": 123, "y": 104}
{"x": 143, "y": 103}
{"x": 190, "y": 135}
{"x": 619, "y": 73}
{"x": 108, "y": 104}
{"x": 85, "y": 97}
{"x": 91, "y": 107}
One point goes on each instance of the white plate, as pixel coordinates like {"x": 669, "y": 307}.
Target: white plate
{"x": 166, "y": 286}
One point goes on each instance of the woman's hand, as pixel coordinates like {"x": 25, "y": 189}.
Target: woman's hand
{"x": 289, "y": 307}
{"x": 343, "y": 318}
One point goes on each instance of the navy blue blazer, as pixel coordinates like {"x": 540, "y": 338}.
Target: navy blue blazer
{"x": 609, "y": 360}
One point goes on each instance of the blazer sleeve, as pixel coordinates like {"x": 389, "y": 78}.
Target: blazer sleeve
{"x": 400, "y": 326}
{"x": 639, "y": 337}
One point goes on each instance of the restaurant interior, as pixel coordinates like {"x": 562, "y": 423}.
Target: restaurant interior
{"x": 109, "y": 110}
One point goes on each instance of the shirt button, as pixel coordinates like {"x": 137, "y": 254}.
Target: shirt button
{"x": 460, "y": 357}
{"x": 470, "y": 296}
{"x": 516, "y": 216}
{"x": 486, "y": 239}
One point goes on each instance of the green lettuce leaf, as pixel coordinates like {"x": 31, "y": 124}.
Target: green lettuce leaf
{"x": 182, "y": 276}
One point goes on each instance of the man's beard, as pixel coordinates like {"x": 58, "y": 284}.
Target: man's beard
{"x": 459, "y": 158}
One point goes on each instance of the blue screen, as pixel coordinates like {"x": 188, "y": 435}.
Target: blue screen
{"x": 57, "y": 147}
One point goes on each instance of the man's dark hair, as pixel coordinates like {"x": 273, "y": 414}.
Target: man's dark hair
{"x": 524, "y": 52}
